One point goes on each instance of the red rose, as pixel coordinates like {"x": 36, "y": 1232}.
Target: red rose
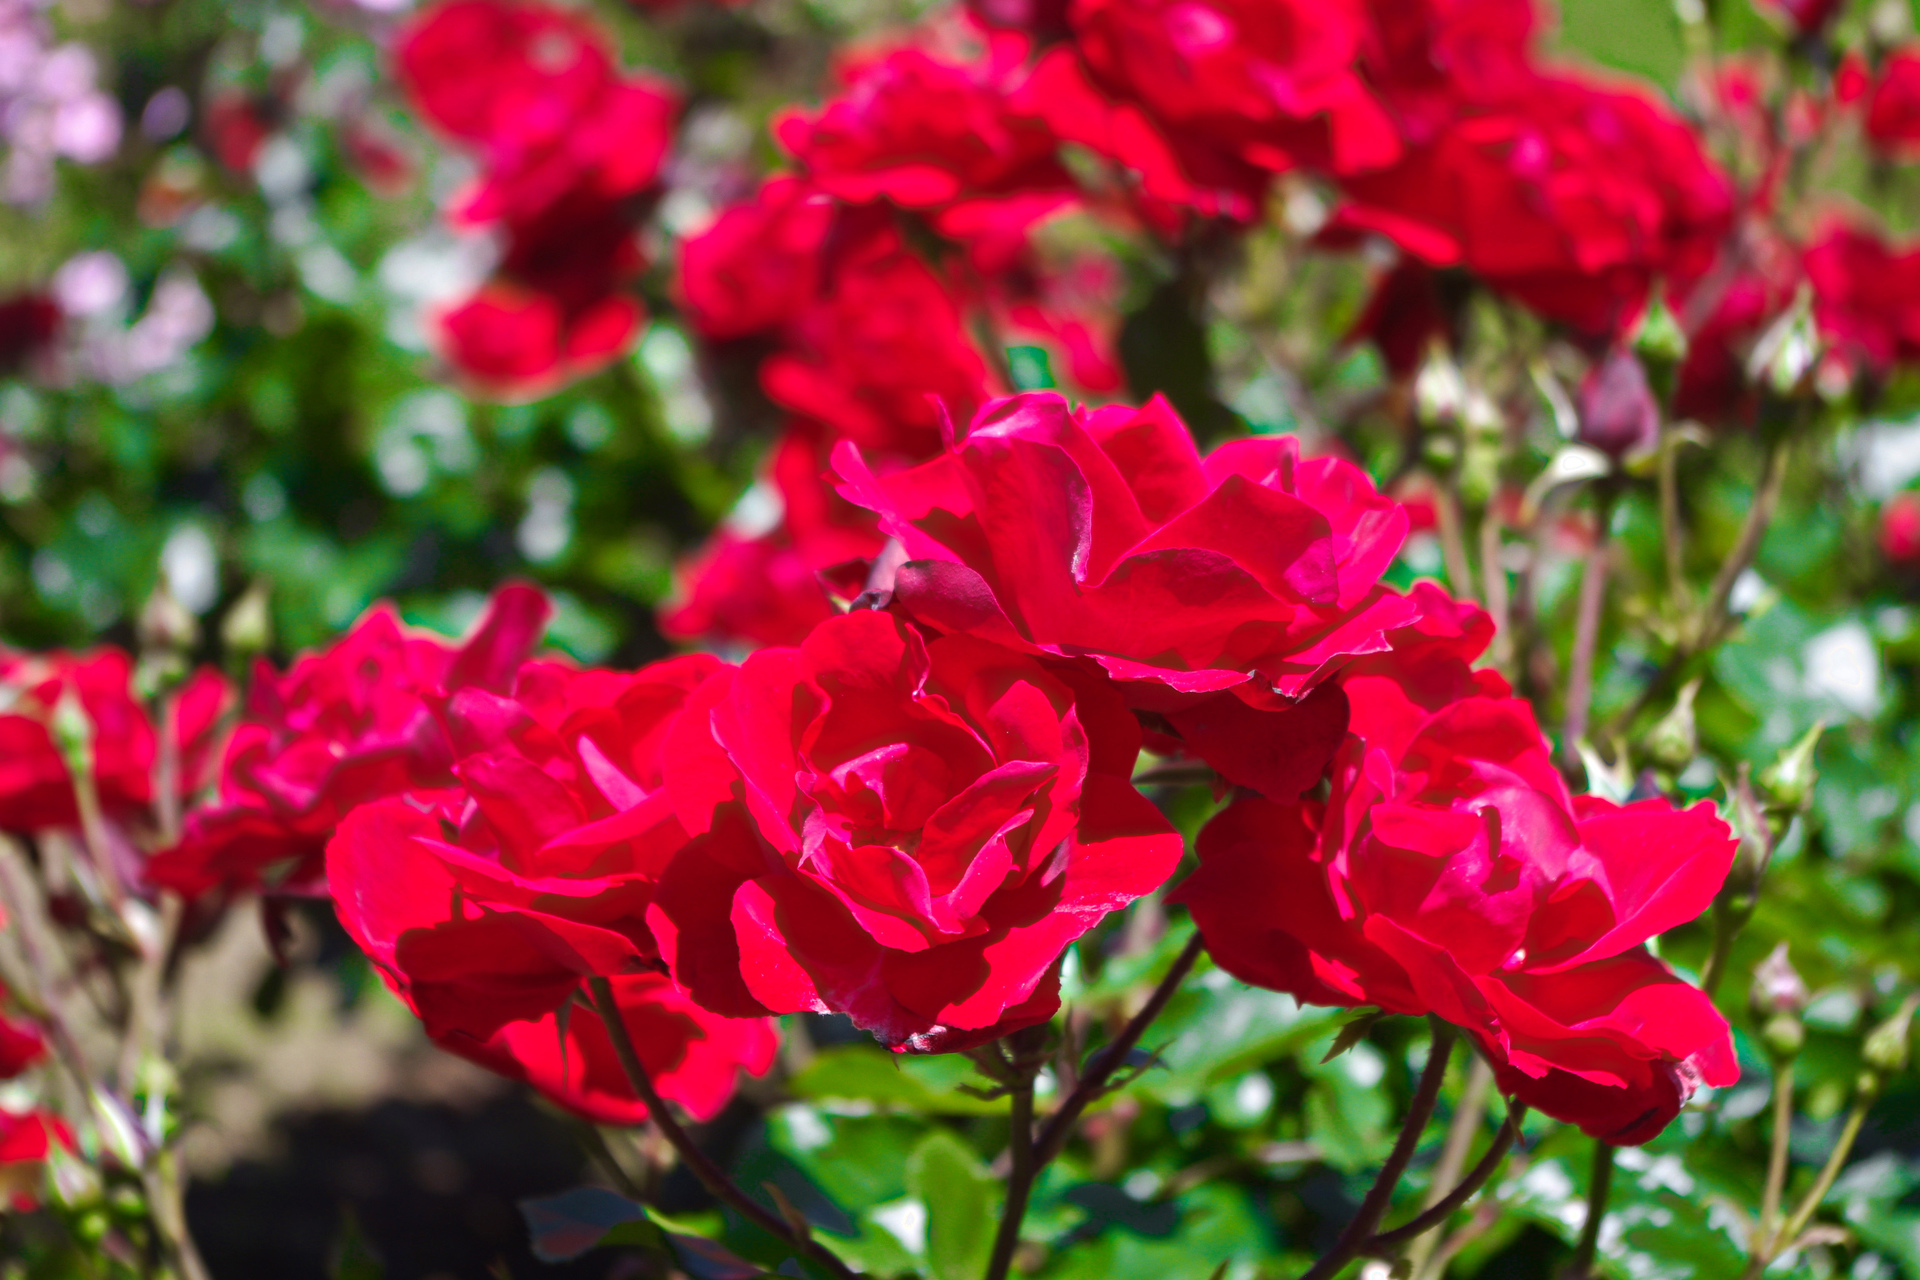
{"x": 769, "y": 588}
{"x": 758, "y": 265}
{"x": 1216, "y": 591}
{"x": 27, "y": 1138}
{"x": 881, "y": 354}
{"x": 342, "y": 727}
{"x": 21, "y": 1046}
{"x": 487, "y": 903}
{"x": 36, "y": 789}
{"x": 1807, "y": 17}
{"x": 519, "y": 344}
{"x": 1900, "y": 529}
{"x": 1569, "y": 196}
{"x": 1893, "y": 110}
{"x": 29, "y": 322}
{"x": 1427, "y": 58}
{"x": 1449, "y": 872}
{"x": 1866, "y": 296}
{"x": 925, "y": 134}
{"x": 693, "y": 1057}
{"x": 927, "y": 824}
{"x": 1723, "y": 317}
{"x": 1273, "y": 82}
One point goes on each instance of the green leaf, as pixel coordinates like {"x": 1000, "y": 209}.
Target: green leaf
{"x": 1353, "y": 1032}
{"x": 959, "y": 1195}
{"x": 353, "y": 1257}
{"x": 858, "y": 1073}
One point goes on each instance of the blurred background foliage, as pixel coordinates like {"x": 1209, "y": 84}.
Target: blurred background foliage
{"x": 244, "y": 394}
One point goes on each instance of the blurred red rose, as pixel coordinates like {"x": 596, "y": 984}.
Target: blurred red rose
{"x": 1449, "y": 872}
{"x": 770, "y": 588}
{"x": 1866, "y": 296}
{"x": 882, "y": 355}
{"x": 345, "y": 726}
{"x": 1571, "y": 197}
{"x": 1893, "y": 108}
{"x": 1807, "y": 17}
{"x": 1900, "y": 529}
{"x": 1218, "y": 592}
{"x": 1428, "y": 58}
{"x": 1273, "y": 82}
{"x": 27, "y": 1139}
{"x": 21, "y": 1046}
{"x": 927, "y": 824}
{"x": 927, "y": 134}
{"x": 487, "y": 903}
{"x": 36, "y": 788}
{"x": 693, "y": 1057}
{"x": 758, "y": 265}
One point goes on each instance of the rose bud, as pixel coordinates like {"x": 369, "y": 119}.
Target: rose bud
{"x": 1618, "y": 415}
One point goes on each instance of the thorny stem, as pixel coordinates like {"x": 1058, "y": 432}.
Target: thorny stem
{"x": 1020, "y": 1179}
{"x": 1440, "y": 1210}
{"x": 1380, "y": 1195}
{"x": 1810, "y": 1203}
{"x": 1453, "y": 547}
{"x": 1670, "y": 530}
{"x": 1598, "y": 1187}
{"x": 1702, "y": 635}
{"x": 1586, "y": 635}
{"x": 1466, "y": 1123}
{"x": 711, "y": 1175}
{"x": 1054, "y": 1135}
{"x": 1777, "y": 1158}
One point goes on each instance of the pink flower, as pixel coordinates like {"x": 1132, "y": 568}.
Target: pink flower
{"x": 1217, "y": 592}
{"x": 758, "y": 265}
{"x": 926, "y": 824}
{"x": 1866, "y": 296}
{"x": 342, "y": 727}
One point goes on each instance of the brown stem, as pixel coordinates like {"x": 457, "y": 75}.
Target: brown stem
{"x": 711, "y": 1175}
{"x": 1380, "y": 1195}
{"x": 1453, "y": 546}
{"x": 1053, "y": 1135}
{"x": 1586, "y": 634}
{"x": 1773, "y": 478}
{"x": 1670, "y": 530}
{"x": 1020, "y": 1180}
{"x": 1777, "y": 1157}
{"x": 1444, "y": 1208}
{"x": 1494, "y": 575}
{"x": 1453, "y": 1156}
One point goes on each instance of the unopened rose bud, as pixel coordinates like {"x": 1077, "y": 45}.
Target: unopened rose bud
{"x": 1658, "y": 337}
{"x": 1777, "y": 986}
{"x": 1788, "y": 781}
{"x": 1439, "y": 392}
{"x": 1673, "y": 743}
{"x": 1900, "y": 529}
{"x": 1886, "y": 1047}
{"x": 1788, "y": 351}
{"x": 1784, "y": 1036}
{"x": 248, "y": 627}
{"x": 72, "y": 731}
{"x": 165, "y": 623}
{"x": 1616, "y": 408}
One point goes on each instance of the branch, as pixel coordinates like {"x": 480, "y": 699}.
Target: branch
{"x": 1054, "y": 1135}
{"x": 1023, "y": 1063}
{"x": 711, "y": 1175}
{"x": 1444, "y": 1208}
{"x": 1598, "y": 1188}
{"x": 1586, "y": 635}
{"x": 1453, "y": 1153}
{"x": 1360, "y": 1230}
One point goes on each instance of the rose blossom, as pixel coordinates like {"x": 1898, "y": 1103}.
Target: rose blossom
{"x": 1217, "y": 591}
{"x": 1893, "y": 108}
{"x": 1866, "y": 296}
{"x": 758, "y": 264}
{"x": 774, "y": 587}
{"x": 488, "y": 901}
{"x": 36, "y": 788}
{"x": 344, "y": 726}
{"x": 1449, "y": 872}
{"x": 905, "y": 829}
{"x": 1571, "y": 197}
{"x": 27, "y": 1139}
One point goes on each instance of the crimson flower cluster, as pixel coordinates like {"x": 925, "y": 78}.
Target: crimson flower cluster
{"x": 570, "y": 150}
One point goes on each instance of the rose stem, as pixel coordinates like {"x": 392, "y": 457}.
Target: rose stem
{"x": 1671, "y": 532}
{"x": 1777, "y": 1158}
{"x": 1586, "y": 635}
{"x": 1759, "y": 516}
{"x": 1440, "y": 1210}
{"x": 1380, "y": 1195}
{"x": 1598, "y": 1185}
{"x": 1053, "y": 1135}
{"x": 1022, "y": 1064}
{"x": 1810, "y": 1203}
{"x": 1453, "y": 1156}
{"x": 710, "y": 1174}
